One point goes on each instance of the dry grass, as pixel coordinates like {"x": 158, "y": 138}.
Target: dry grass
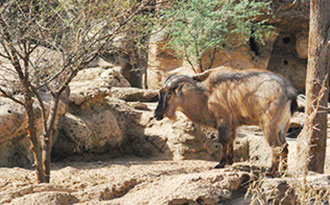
{"x": 304, "y": 190}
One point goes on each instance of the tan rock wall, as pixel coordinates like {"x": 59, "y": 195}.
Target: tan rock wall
{"x": 285, "y": 51}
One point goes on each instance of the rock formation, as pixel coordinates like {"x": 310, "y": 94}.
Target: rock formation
{"x": 284, "y": 52}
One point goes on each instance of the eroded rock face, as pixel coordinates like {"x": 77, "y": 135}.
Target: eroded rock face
{"x": 14, "y": 146}
{"x": 284, "y": 52}
{"x": 284, "y": 60}
{"x": 302, "y": 45}
{"x": 98, "y": 123}
{"x": 125, "y": 182}
{"x": 278, "y": 191}
{"x": 208, "y": 187}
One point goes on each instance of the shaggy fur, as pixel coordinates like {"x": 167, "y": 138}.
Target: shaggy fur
{"x": 225, "y": 99}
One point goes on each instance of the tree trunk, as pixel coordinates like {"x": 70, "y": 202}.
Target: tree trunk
{"x": 46, "y": 150}
{"x": 47, "y": 137}
{"x": 33, "y": 138}
{"x": 311, "y": 143}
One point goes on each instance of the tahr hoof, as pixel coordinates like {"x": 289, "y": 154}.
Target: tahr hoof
{"x": 220, "y": 165}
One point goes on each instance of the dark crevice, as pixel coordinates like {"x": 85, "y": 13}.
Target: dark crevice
{"x": 254, "y": 46}
{"x": 285, "y": 62}
{"x": 286, "y": 40}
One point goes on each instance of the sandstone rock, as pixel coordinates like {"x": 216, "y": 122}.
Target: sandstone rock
{"x": 156, "y": 78}
{"x": 12, "y": 118}
{"x": 209, "y": 187}
{"x": 123, "y": 182}
{"x": 161, "y": 58}
{"x": 302, "y": 45}
{"x": 45, "y": 59}
{"x": 241, "y": 149}
{"x": 93, "y": 84}
{"x": 241, "y": 59}
{"x": 47, "y": 198}
{"x": 260, "y": 153}
{"x": 38, "y": 194}
{"x": 181, "y": 139}
{"x": 102, "y": 77}
{"x": 100, "y": 62}
{"x": 114, "y": 127}
{"x": 284, "y": 51}
{"x": 284, "y": 60}
{"x": 134, "y": 180}
{"x": 107, "y": 191}
{"x": 95, "y": 129}
{"x": 135, "y": 94}
{"x": 278, "y": 191}
{"x": 139, "y": 106}
{"x": 14, "y": 146}
{"x": 86, "y": 94}
{"x": 292, "y": 190}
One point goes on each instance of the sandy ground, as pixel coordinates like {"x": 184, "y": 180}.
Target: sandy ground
{"x": 110, "y": 181}
{"x": 99, "y": 182}
{"x": 89, "y": 180}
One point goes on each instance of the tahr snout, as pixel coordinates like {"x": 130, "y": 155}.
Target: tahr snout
{"x": 159, "y": 113}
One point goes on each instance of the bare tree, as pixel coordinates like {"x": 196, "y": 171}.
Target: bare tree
{"x": 76, "y": 32}
{"x": 311, "y": 145}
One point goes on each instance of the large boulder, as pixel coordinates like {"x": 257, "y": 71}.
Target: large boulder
{"x": 181, "y": 139}
{"x": 92, "y": 125}
{"x": 98, "y": 128}
{"x": 113, "y": 126}
{"x": 94, "y": 83}
{"x": 14, "y": 146}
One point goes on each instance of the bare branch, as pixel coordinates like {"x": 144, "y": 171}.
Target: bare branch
{"x": 4, "y": 56}
{"x": 5, "y": 94}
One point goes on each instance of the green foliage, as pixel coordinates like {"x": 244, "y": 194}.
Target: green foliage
{"x": 195, "y": 26}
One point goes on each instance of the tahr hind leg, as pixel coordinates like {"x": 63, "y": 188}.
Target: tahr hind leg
{"x": 277, "y": 142}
